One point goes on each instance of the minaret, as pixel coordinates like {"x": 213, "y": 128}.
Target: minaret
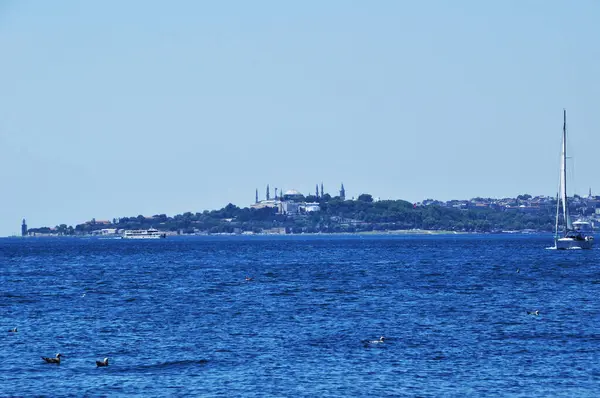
{"x": 343, "y": 192}
{"x": 24, "y": 228}
{"x": 321, "y": 190}
{"x": 268, "y": 195}
{"x": 275, "y": 193}
{"x": 256, "y": 199}
{"x": 317, "y": 191}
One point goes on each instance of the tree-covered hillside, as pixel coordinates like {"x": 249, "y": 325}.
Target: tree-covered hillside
{"x": 335, "y": 215}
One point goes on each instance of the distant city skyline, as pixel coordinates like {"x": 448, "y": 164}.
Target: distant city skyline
{"x": 532, "y": 202}
{"x": 114, "y": 109}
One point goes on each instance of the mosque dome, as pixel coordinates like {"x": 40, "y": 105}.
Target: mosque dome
{"x": 292, "y": 192}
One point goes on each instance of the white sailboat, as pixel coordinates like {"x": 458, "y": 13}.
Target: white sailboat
{"x": 572, "y": 235}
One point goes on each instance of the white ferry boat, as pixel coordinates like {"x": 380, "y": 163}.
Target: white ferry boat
{"x": 151, "y": 233}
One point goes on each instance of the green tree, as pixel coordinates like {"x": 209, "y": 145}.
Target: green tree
{"x": 311, "y": 199}
{"x": 365, "y": 197}
{"x": 325, "y": 198}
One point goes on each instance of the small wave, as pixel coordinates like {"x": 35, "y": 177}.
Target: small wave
{"x": 20, "y": 300}
{"x": 174, "y": 364}
{"x": 10, "y": 295}
{"x": 100, "y": 292}
{"x": 433, "y": 274}
{"x": 288, "y": 292}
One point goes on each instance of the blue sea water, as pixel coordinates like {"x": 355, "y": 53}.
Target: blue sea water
{"x": 176, "y": 317}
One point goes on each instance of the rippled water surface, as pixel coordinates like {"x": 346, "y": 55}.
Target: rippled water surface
{"x": 178, "y": 317}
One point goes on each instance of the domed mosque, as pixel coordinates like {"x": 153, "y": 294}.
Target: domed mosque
{"x": 290, "y": 202}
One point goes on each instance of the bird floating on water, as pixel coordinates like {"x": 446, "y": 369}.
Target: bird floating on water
{"x": 14, "y": 330}
{"x": 536, "y": 312}
{"x": 248, "y": 279}
{"x": 381, "y": 340}
{"x": 53, "y": 360}
{"x": 102, "y": 363}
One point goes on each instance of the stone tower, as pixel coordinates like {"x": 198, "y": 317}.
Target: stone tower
{"x": 24, "y": 228}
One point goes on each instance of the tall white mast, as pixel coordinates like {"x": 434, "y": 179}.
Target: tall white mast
{"x": 563, "y": 175}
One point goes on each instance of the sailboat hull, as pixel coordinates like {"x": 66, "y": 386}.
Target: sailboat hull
{"x": 572, "y": 243}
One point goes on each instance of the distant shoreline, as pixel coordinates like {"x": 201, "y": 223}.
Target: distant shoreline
{"x": 406, "y": 232}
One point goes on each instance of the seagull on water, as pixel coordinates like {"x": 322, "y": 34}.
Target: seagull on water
{"x": 381, "y": 340}
{"x": 102, "y": 363}
{"x": 53, "y": 360}
{"x": 536, "y": 312}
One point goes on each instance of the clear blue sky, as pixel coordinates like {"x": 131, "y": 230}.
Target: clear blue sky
{"x": 120, "y": 108}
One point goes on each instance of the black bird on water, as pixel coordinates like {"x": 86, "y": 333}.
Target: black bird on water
{"x": 368, "y": 343}
{"x": 102, "y": 363}
{"x": 53, "y": 360}
{"x": 14, "y": 330}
